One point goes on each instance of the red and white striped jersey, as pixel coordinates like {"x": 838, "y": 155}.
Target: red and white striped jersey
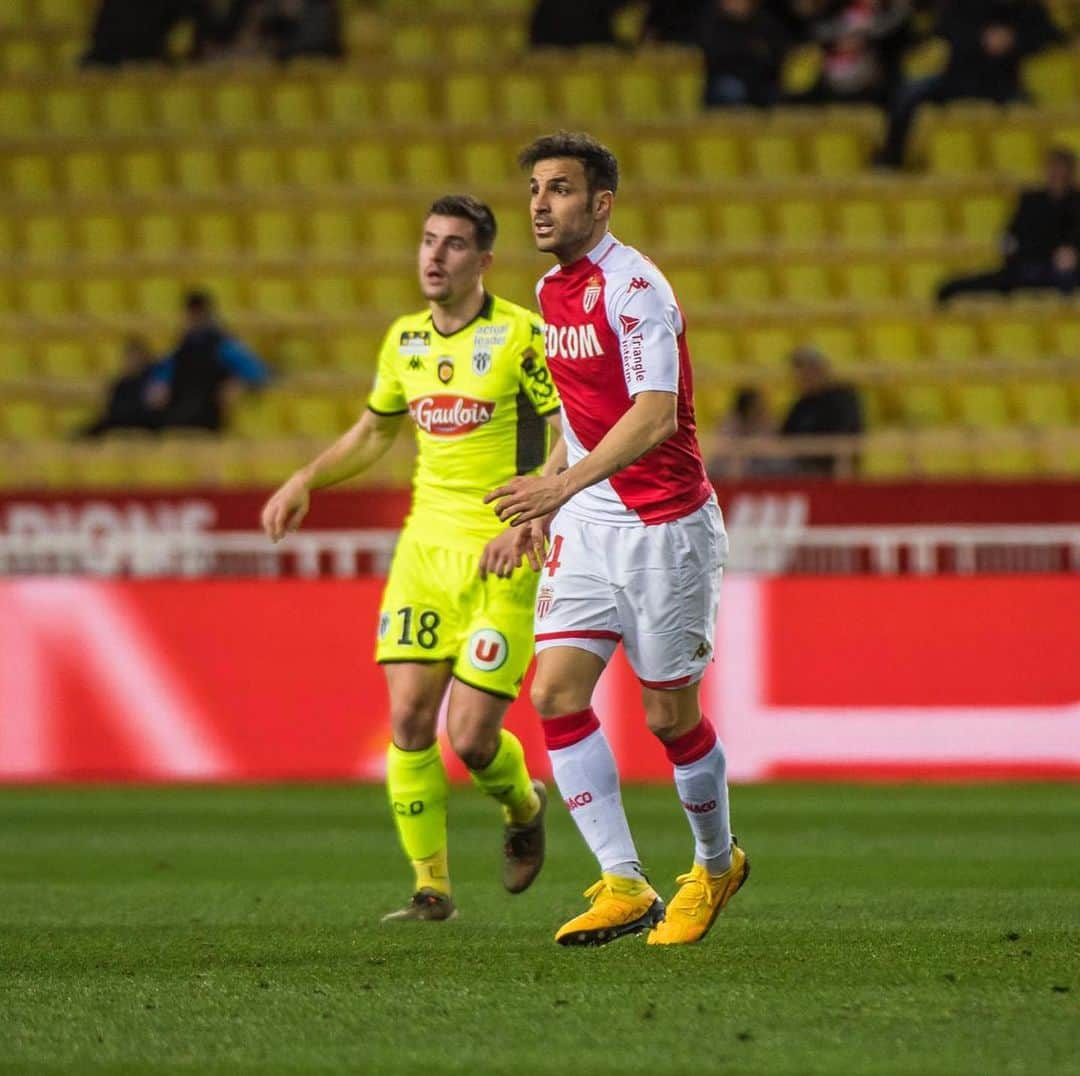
{"x": 614, "y": 328}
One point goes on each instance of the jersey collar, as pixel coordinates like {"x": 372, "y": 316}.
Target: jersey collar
{"x": 595, "y": 256}
{"x": 484, "y": 312}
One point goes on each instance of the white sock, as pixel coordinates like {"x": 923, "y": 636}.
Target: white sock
{"x": 584, "y": 769}
{"x": 701, "y": 782}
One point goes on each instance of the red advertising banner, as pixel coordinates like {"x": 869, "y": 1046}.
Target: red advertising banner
{"x": 264, "y": 680}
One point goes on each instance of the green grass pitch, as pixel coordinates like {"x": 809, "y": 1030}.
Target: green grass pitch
{"x": 884, "y": 930}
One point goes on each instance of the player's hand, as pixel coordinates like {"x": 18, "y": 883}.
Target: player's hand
{"x": 501, "y": 555}
{"x": 528, "y": 497}
{"x": 285, "y": 510}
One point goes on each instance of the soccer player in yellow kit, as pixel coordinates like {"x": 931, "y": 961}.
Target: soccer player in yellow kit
{"x": 458, "y": 606}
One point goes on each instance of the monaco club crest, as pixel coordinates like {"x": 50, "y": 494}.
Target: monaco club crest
{"x": 544, "y": 597}
{"x": 592, "y": 293}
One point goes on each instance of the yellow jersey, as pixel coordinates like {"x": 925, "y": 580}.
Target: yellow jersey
{"x": 479, "y": 398}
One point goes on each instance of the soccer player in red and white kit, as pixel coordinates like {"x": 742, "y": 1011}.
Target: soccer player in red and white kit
{"x": 637, "y": 548}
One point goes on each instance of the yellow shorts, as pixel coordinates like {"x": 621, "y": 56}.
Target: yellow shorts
{"x": 437, "y": 608}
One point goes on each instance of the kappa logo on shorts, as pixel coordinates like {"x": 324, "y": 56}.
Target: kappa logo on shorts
{"x": 488, "y": 649}
{"x": 545, "y": 598}
{"x": 702, "y": 651}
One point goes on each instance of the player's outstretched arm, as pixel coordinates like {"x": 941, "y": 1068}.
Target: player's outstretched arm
{"x": 650, "y": 420}
{"x": 351, "y": 454}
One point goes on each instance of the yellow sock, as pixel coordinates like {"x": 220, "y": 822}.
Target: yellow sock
{"x": 506, "y": 779}
{"x": 419, "y": 788}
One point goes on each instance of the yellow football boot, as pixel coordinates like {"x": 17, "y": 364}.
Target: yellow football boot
{"x": 700, "y": 899}
{"x": 620, "y": 906}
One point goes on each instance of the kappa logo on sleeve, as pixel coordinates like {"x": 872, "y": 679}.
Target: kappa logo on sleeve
{"x": 638, "y": 283}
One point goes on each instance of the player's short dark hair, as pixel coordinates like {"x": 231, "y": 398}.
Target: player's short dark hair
{"x": 600, "y": 164}
{"x": 466, "y": 207}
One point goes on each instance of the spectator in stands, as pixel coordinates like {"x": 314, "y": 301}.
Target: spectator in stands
{"x": 825, "y": 407}
{"x": 194, "y": 386}
{"x": 749, "y": 417}
{"x": 862, "y": 43}
{"x": 1042, "y": 241}
{"x": 744, "y": 48}
{"x": 676, "y": 22}
{"x": 570, "y": 23}
{"x": 128, "y": 31}
{"x": 987, "y": 39}
{"x": 126, "y": 407}
{"x": 280, "y": 30}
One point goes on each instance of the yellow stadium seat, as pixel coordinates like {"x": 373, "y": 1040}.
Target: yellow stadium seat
{"x": 425, "y": 164}
{"x": 767, "y": 346}
{"x": 7, "y": 237}
{"x": 683, "y": 226}
{"x": 157, "y": 296}
{"x": 18, "y": 112}
{"x": 1009, "y": 338}
{"x": 658, "y": 159}
{"x": 235, "y": 106}
{"x": 102, "y": 235}
{"x": 180, "y": 108}
{"x": 22, "y": 56}
{"x": 747, "y": 285}
{"x": 638, "y": 94}
{"x": 412, "y": 42}
{"x": 258, "y": 416}
{"x": 30, "y": 175}
{"x": 332, "y": 294}
{"x": 633, "y": 225}
{"x": 836, "y": 153}
{"x": 14, "y": 359}
{"x": 1015, "y": 151}
{"x": 521, "y": 98}
{"x": 800, "y": 223}
{"x": 982, "y": 406}
{"x": 292, "y": 106}
{"x": 198, "y": 170}
{"x": 1067, "y": 136}
{"x": 104, "y": 296}
{"x": 68, "y": 111}
{"x": 467, "y": 98}
{"x": 868, "y": 282}
{"x": 923, "y": 220}
{"x": 47, "y": 237}
{"x": 68, "y": 419}
{"x": 484, "y": 162}
{"x": 469, "y": 42}
{"x": 883, "y": 462}
{"x": 256, "y": 167}
{"x": 125, "y": 109}
{"x": 215, "y": 233}
{"x": 143, "y": 172}
{"x": 686, "y": 87}
{"x": 16, "y": 15}
{"x": 1042, "y": 403}
{"x": 60, "y": 13}
{"x": 159, "y": 234}
{"x": 515, "y": 231}
{"x": 741, "y": 224}
{"x": 330, "y": 231}
{"x": 312, "y": 167}
{"x": 716, "y": 155}
{"x": 347, "y": 101}
{"x": 581, "y": 94}
{"x": 923, "y": 406}
{"x": 227, "y": 288}
{"x": 392, "y": 230}
{"x": 24, "y": 420}
{"x": 712, "y": 349}
{"x": 315, "y": 416}
{"x": 273, "y": 233}
{"x": 692, "y": 286}
{"x": 405, "y": 100}
{"x": 517, "y": 285}
{"x": 774, "y": 155}
{"x": 354, "y": 351}
{"x": 1064, "y": 339}
{"x": 983, "y": 217}
{"x": 892, "y": 341}
{"x": 862, "y": 223}
{"x": 64, "y": 359}
{"x": 87, "y": 173}
{"x": 807, "y": 283}
{"x": 952, "y": 340}
{"x": 368, "y": 164}
{"x": 274, "y": 294}
{"x": 1006, "y": 461}
{"x": 922, "y": 278}
{"x": 1051, "y": 77}
{"x": 394, "y": 291}
{"x": 952, "y": 151}
{"x": 839, "y": 343}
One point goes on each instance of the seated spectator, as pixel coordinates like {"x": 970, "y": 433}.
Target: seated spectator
{"x": 128, "y": 31}
{"x": 749, "y": 417}
{"x": 987, "y": 39}
{"x": 279, "y": 30}
{"x": 744, "y": 48}
{"x": 569, "y": 23}
{"x": 674, "y": 22}
{"x": 1042, "y": 241}
{"x": 862, "y": 45}
{"x": 194, "y": 385}
{"x": 824, "y": 407}
{"x": 126, "y": 407}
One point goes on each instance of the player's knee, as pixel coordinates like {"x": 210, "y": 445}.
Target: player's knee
{"x": 476, "y": 747}
{"x": 553, "y": 699}
{"x": 412, "y": 724}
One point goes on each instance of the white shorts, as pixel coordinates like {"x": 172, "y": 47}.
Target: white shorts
{"x": 655, "y": 588}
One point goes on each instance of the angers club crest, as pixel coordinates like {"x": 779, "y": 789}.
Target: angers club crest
{"x": 445, "y": 369}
